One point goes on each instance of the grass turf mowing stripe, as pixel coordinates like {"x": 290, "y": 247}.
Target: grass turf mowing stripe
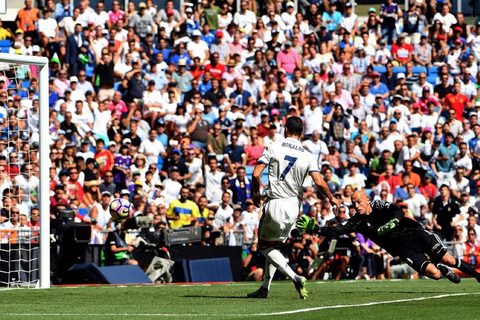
{"x": 340, "y": 306}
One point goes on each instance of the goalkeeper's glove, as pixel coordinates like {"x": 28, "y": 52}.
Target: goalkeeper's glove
{"x": 305, "y": 223}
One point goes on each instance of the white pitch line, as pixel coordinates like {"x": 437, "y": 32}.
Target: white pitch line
{"x": 339, "y": 306}
{"x": 367, "y": 304}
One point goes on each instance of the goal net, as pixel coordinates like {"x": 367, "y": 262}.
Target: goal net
{"x": 24, "y": 172}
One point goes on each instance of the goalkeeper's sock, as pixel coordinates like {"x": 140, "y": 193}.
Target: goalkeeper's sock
{"x": 276, "y": 258}
{"x": 269, "y": 273}
{"x": 466, "y": 268}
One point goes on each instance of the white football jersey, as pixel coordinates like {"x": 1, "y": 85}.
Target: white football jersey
{"x": 289, "y": 163}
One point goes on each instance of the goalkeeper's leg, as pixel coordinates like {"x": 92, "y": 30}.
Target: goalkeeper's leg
{"x": 461, "y": 265}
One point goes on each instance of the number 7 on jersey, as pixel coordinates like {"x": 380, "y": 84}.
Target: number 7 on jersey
{"x": 291, "y": 162}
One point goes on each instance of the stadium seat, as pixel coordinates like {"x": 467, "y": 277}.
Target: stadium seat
{"x": 249, "y": 171}
{"x": 398, "y": 69}
{"x": 419, "y": 69}
{"x": 5, "y": 46}
{"x": 433, "y": 70}
{"x": 25, "y": 84}
{"x": 380, "y": 69}
{"x": 432, "y": 79}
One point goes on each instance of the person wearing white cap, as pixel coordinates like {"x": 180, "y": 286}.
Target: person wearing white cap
{"x": 76, "y": 94}
{"x": 288, "y": 17}
{"x": 100, "y": 214}
{"x": 35, "y": 50}
{"x": 349, "y": 20}
{"x": 198, "y": 48}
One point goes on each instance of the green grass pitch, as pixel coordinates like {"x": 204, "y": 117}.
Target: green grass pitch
{"x": 421, "y": 299}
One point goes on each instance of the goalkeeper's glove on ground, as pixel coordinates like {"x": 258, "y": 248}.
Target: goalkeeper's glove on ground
{"x": 305, "y": 223}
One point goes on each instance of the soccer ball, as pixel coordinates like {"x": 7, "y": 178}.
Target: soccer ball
{"x": 119, "y": 209}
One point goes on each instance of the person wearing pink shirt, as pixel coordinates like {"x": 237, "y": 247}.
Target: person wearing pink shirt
{"x": 288, "y": 59}
{"x": 117, "y": 106}
{"x": 115, "y": 14}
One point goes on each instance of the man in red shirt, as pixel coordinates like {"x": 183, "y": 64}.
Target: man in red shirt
{"x": 74, "y": 188}
{"x": 401, "y": 51}
{"x": 392, "y": 180}
{"x": 103, "y": 157}
{"x": 215, "y": 67}
{"x": 457, "y": 101}
{"x": 427, "y": 188}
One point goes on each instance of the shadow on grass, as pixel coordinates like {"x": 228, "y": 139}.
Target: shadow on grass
{"x": 214, "y": 297}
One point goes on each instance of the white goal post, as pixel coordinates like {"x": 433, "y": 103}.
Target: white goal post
{"x": 44, "y": 156}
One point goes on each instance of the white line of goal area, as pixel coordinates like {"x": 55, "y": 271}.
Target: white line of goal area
{"x": 296, "y": 311}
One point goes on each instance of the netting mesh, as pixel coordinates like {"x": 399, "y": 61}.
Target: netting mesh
{"x": 19, "y": 176}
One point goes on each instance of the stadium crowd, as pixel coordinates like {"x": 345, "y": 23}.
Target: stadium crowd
{"x": 170, "y": 108}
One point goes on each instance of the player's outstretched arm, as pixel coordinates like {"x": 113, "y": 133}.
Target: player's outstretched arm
{"x": 322, "y": 185}
{"x": 256, "y": 176}
{"x": 309, "y": 225}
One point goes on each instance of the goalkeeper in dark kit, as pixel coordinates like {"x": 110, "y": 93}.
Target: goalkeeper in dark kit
{"x": 386, "y": 225}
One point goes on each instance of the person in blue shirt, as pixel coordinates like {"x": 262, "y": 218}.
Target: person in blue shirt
{"x": 377, "y": 87}
{"x": 208, "y": 113}
{"x": 163, "y": 47}
{"x": 62, "y": 10}
{"x": 180, "y": 53}
{"x": 240, "y": 97}
{"x": 332, "y": 18}
{"x": 162, "y": 136}
{"x": 159, "y": 77}
{"x": 444, "y": 159}
{"x": 207, "y": 35}
{"x": 206, "y": 83}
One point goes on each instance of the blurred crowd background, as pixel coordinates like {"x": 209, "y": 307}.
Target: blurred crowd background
{"x": 171, "y": 107}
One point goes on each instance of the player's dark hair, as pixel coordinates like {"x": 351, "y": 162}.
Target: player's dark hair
{"x": 294, "y": 126}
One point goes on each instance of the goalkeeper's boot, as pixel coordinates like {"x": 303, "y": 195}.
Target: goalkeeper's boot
{"x": 261, "y": 293}
{"x": 301, "y": 286}
{"x": 448, "y": 273}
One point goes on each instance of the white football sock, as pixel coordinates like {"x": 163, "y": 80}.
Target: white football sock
{"x": 276, "y": 258}
{"x": 269, "y": 273}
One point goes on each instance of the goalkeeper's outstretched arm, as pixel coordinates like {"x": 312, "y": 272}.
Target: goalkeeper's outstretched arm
{"x": 308, "y": 224}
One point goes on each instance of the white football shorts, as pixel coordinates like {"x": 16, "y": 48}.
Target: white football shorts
{"x": 278, "y": 219}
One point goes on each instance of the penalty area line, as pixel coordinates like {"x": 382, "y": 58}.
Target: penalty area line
{"x": 183, "y": 315}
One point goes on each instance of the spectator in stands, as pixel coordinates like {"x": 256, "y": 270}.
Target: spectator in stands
{"x": 444, "y": 209}
{"x": 241, "y": 188}
{"x": 182, "y": 212}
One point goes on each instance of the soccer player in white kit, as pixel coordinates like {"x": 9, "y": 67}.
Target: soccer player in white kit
{"x": 288, "y": 164}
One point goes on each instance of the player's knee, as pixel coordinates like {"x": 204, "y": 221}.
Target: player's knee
{"x": 449, "y": 260}
{"x": 432, "y": 272}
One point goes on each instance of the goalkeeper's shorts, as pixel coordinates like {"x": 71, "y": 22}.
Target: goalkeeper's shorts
{"x": 278, "y": 219}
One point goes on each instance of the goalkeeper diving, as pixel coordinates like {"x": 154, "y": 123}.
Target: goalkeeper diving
{"x": 386, "y": 225}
